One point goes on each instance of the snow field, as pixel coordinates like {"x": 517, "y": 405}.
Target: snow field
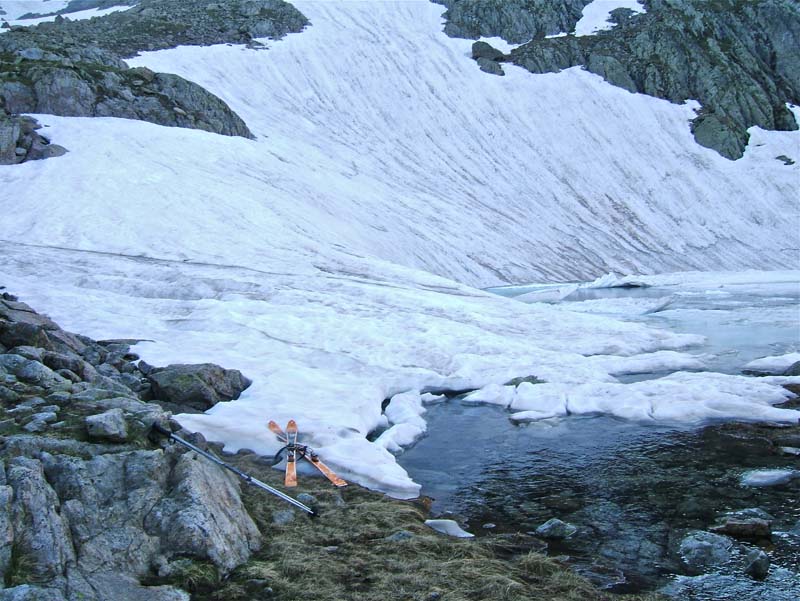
{"x": 324, "y": 258}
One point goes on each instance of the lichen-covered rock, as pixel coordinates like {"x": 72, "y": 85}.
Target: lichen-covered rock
{"x": 94, "y": 90}
{"x": 29, "y": 371}
{"x": 198, "y": 387}
{"x": 40, "y": 533}
{"x": 109, "y": 425}
{"x": 203, "y": 515}
{"x": 89, "y": 520}
{"x": 485, "y": 50}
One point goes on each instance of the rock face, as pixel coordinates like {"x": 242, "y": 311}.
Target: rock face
{"x": 517, "y": 21}
{"x": 20, "y": 141}
{"x": 76, "y": 68}
{"x": 737, "y": 58}
{"x": 90, "y": 506}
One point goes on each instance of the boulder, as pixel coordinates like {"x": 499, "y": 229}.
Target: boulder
{"x": 487, "y": 51}
{"x": 490, "y": 66}
{"x": 110, "y": 425}
{"x": 757, "y": 564}
{"x": 703, "y": 551}
{"x": 748, "y": 524}
{"x": 203, "y": 516}
{"x": 197, "y": 387}
{"x": 556, "y": 529}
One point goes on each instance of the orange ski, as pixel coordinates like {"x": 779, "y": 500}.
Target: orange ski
{"x": 308, "y": 454}
{"x": 291, "y": 454}
{"x": 326, "y": 471}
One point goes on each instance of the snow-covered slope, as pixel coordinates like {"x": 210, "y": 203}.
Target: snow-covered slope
{"x": 311, "y": 258}
{"x": 378, "y": 133}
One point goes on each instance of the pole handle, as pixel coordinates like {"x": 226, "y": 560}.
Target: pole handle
{"x": 161, "y": 429}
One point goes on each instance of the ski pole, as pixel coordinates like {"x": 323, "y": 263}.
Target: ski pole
{"x": 246, "y": 477}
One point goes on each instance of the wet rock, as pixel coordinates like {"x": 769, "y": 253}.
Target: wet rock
{"x": 773, "y": 477}
{"x": 556, "y": 529}
{"x": 757, "y": 564}
{"x": 199, "y": 387}
{"x": 110, "y": 425}
{"x": 748, "y": 524}
{"x": 704, "y": 551}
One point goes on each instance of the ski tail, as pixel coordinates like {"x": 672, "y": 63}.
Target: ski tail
{"x": 291, "y": 454}
{"x": 314, "y": 459}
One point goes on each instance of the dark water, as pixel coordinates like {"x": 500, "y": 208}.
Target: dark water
{"x": 632, "y": 490}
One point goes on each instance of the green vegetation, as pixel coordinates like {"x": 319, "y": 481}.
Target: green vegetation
{"x": 349, "y": 553}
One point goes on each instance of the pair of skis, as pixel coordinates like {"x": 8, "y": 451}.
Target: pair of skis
{"x": 295, "y": 451}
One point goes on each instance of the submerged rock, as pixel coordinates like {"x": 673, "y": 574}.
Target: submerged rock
{"x": 769, "y": 477}
{"x": 748, "y": 524}
{"x": 556, "y": 529}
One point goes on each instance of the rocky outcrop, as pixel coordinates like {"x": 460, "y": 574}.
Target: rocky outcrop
{"x": 195, "y": 388}
{"x": 76, "y": 68}
{"x": 737, "y": 58}
{"x": 160, "y": 24}
{"x": 90, "y": 506}
{"x": 20, "y": 141}
{"x": 59, "y": 86}
{"x": 517, "y": 21}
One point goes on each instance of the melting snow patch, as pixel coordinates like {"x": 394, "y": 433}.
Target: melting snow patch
{"x": 773, "y": 365}
{"x": 596, "y": 15}
{"x": 493, "y": 394}
{"x": 448, "y": 527}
